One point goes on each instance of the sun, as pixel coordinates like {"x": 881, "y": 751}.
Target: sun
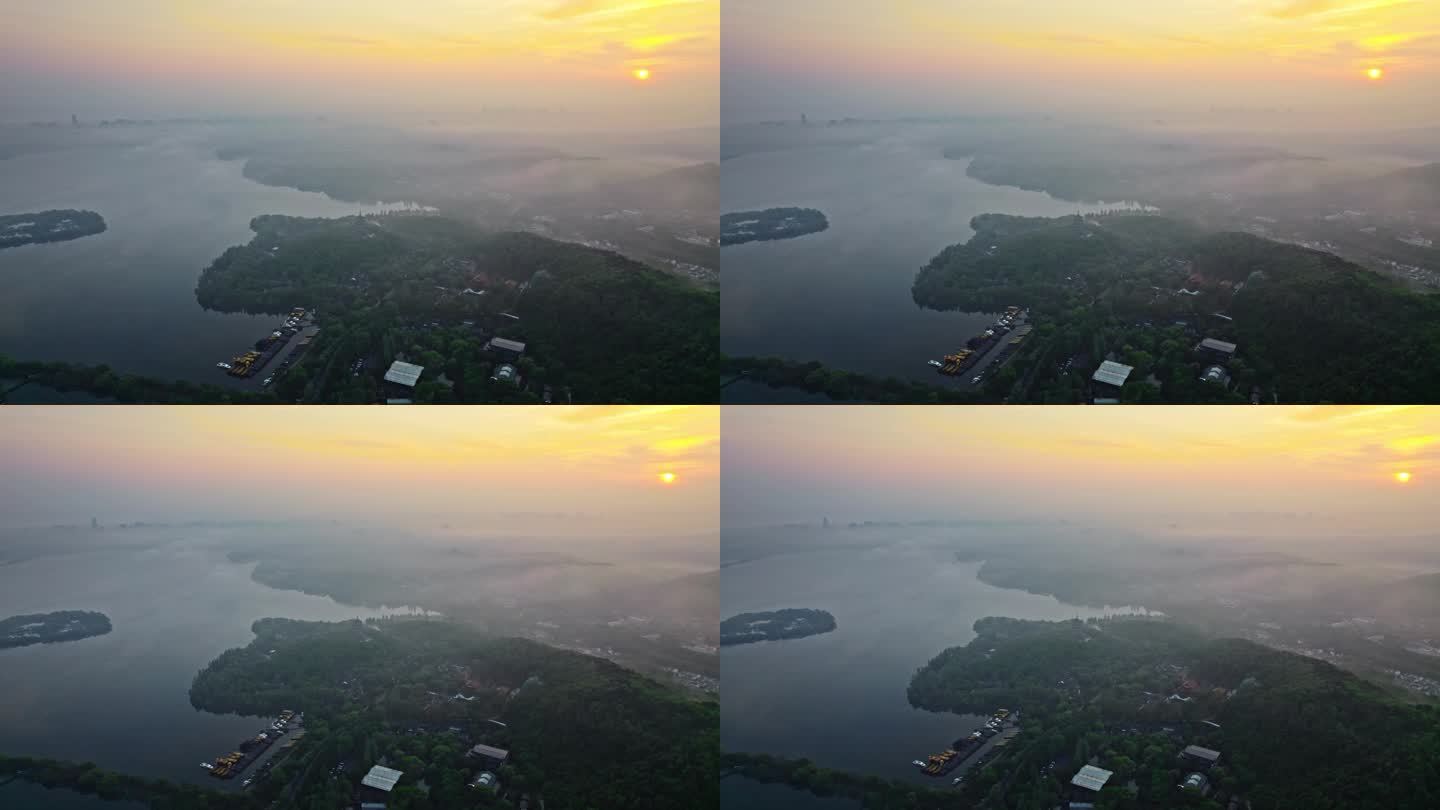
{"x": 667, "y": 477}
{"x": 1375, "y": 73}
{"x": 643, "y": 74}
{"x": 1402, "y": 477}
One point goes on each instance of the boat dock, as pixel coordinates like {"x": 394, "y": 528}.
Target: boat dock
{"x": 252, "y": 361}
{"x": 984, "y": 350}
{"x": 970, "y": 748}
{"x": 233, "y": 763}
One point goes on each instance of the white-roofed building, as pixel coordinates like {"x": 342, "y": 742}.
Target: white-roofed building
{"x": 382, "y": 778}
{"x": 1216, "y": 375}
{"x": 1218, "y": 350}
{"x": 1200, "y": 755}
{"x": 1091, "y": 778}
{"x": 511, "y": 349}
{"x": 1107, "y": 381}
{"x": 1112, "y": 373}
{"x": 489, "y": 753}
{"x": 505, "y": 373}
{"x": 402, "y": 373}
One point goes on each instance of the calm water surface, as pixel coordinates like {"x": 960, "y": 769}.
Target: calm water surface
{"x": 839, "y": 698}
{"x": 126, "y": 297}
{"x": 737, "y": 792}
{"x": 121, "y": 700}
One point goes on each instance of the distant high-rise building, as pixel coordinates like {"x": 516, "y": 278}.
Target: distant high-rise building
{"x": 825, "y": 522}
{"x": 74, "y": 120}
{"x": 803, "y": 120}
{"x": 94, "y": 523}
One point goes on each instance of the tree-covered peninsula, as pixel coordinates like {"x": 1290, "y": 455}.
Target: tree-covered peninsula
{"x": 1145, "y": 290}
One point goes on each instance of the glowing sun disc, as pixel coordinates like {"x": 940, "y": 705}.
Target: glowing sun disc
{"x": 667, "y": 477}
{"x": 1375, "y": 73}
{"x": 1402, "y": 477}
{"x": 642, "y": 73}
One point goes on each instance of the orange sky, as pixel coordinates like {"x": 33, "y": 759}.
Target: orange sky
{"x": 157, "y": 463}
{"x": 785, "y": 464}
{"x": 432, "y": 57}
{"x": 879, "y": 54}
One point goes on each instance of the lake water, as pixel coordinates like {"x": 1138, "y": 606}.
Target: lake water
{"x": 749, "y": 392}
{"x": 839, "y": 698}
{"x": 737, "y": 792}
{"x": 126, "y": 297}
{"x": 121, "y": 700}
{"x": 842, "y": 296}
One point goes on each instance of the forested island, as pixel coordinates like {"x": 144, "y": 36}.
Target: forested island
{"x": 772, "y": 223}
{"x": 1130, "y": 694}
{"x": 48, "y": 628}
{"x": 775, "y": 625}
{"x": 56, "y": 225}
{"x": 1144, "y": 290}
{"x": 596, "y": 326}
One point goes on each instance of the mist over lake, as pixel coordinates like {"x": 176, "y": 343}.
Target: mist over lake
{"x": 126, "y": 297}
{"x": 842, "y": 296}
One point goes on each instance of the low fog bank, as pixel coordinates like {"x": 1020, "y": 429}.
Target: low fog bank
{"x": 646, "y": 601}
{"x": 1365, "y": 600}
{"x": 1370, "y": 193}
{"x": 652, "y": 194}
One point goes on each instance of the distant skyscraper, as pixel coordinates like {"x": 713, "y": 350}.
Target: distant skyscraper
{"x": 94, "y": 523}
{"x": 803, "y": 120}
{"x": 74, "y": 120}
{"x": 825, "y": 522}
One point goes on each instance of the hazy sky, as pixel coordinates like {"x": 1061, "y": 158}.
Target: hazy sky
{"x": 886, "y": 57}
{"x": 785, "y": 464}
{"x": 441, "y": 58}
{"x": 468, "y": 466}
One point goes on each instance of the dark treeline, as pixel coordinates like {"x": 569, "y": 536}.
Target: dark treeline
{"x": 107, "y": 384}
{"x": 842, "y": 386}
{"x": 873, "y": 792}
{"x": 87, "y": 778}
